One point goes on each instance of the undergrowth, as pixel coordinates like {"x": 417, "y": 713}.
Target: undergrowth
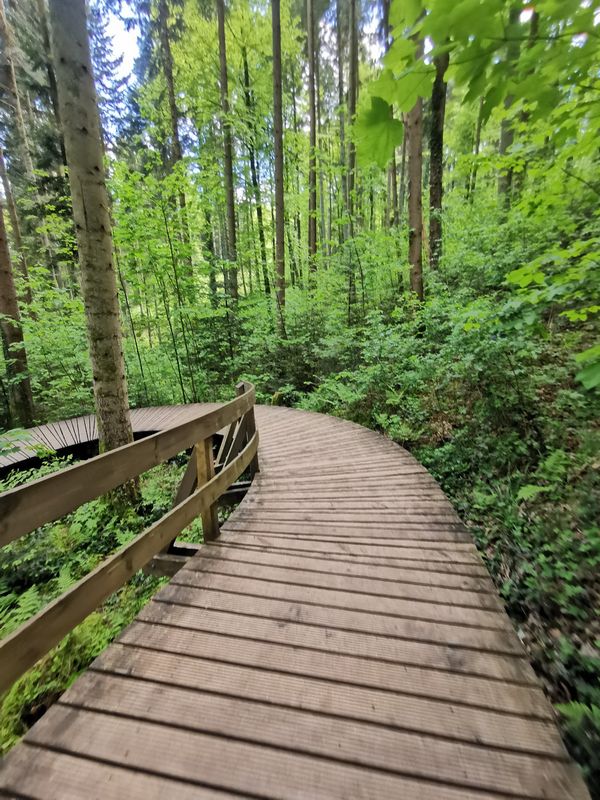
{"x": 37, "y": 568}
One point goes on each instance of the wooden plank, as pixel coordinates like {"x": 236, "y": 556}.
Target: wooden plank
{"x": 35, "y": 772}
{"x": 394, "y": 710}
{"x": 344, "y": 619}
{"x": 27, "y": 507}
{"x": 205, "y": 471}
{"x": 21, "y": 649}
{"x": 249, "y": 422}
{"x": 225, "y": 445}
{"x": 251, "y": 769}
{"x": 449, "y": 553}
{"x": 344, "y": 504}
{"x": 331, "y": 554}
{"x": 363, "y": 645}
{"x": 426, "y": 610}
{"x": 372, "y": 518}
{"x": 353, "y": 742}
{"x": 237, "y": 442}
{"x": 337, "y": 565}
{"x": 300, "y": 576}
{"x": 188, "y": 482}
{"x": 458, "y": 688}
{"x": 444, "y": 534}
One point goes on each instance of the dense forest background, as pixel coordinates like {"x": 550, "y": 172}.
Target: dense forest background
{"x": 396, "y": 222}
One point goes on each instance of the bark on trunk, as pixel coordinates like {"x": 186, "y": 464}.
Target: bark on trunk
{"x": 22, "y": 135}
{"x": 351, "y": 179}
{"x": 436, "y": 167}
{"x": 318, "y": 155}
{"x": 9, "y": 49}
{"x": 415, "y": 201}
{"x": 254, "y": 172}
{"x": 20, "y": 397}
{"x": 176, "y": 148}
{"x": 340, "y": 81}
{"x": 312, "y": 154}
{"x": 16, "y": 227}
{"x": 392, "y": 218}
{"x": 476, "y": 148}
{"x": 41, "y": 6}
{"x": 84, "y": 150}
{"x": 507, "y": 134}
{"x": 402, "y": 192}
{"x": 278, "y": 146}
{"x": 352, "y": 101}
{"x": 231, "y": 277}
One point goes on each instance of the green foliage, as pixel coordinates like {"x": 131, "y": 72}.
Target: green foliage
{"x": 582, "y": 725}
{"x": 377, "y": 134}
{"x": 41, "y": 566}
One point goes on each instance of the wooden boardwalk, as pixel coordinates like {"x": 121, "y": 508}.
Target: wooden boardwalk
{"x": 342, "y": 639}
{"x": 68, "y": 433}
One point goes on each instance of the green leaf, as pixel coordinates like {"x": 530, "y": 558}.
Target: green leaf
{"x": 591, "y": 354}
{"x": 408, "y": 87}
{"x": 529, "y": 491}
{"x": 405, "y": 12}
{"x": 525, "y": 276}
{"x": 589, "y": 376}
{"x": 384, "y": 87}
{"x": 377, "y": 133}
{"x": 400, "y": 54}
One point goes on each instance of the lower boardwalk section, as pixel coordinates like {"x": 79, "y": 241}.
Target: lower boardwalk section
{"x": 342, "y": 639}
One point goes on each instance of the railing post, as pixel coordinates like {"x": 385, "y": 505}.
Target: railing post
{"x": 242, "y": 387}
{"x": 205, "y": 468}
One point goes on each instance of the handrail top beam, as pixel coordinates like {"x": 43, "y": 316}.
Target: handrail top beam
{"x": 46, "y": 499}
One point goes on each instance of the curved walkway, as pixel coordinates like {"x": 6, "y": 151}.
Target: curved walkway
{"x": 342, "y": 639}
{"x": 69, "y": 433}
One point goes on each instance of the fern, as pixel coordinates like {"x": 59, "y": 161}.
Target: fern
{"x": 28, "y": 604}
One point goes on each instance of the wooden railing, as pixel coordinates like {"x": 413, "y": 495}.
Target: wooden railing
{"x": 25, "y": 508}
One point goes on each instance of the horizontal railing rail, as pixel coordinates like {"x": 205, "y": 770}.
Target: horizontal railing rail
{"x": 27, "y": 507}
{"x": 33, "y": 639}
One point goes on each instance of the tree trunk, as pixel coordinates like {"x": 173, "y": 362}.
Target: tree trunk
{"x": 436, "y": 167}
{"x": 318, "y": 152}
{"x": 9, "y": 49}
{"x": 351, "y": 177}
{"x": 402, "y": 192}
{"x": 340, "y": 81}
{"x": 312, "y": 142}
{"x": 20, "y": 397}
{"x": 415, "y": 200}
{"x": 254, "y": 172}
{"x": 84, "y": 150}
{"x": 22, "y": 136}
{"x": 476, "y": 148}
{"x": 41, "y": 6}
{"x": 278, "y": 145}
{"x": 507, "y": 134}
{"x": 16, "y": 227}
{"x": 176, "y": 148}
{"x": 352, "y": 101}
{"x": 392, "y": 218}
{"x": 231, "y": 278}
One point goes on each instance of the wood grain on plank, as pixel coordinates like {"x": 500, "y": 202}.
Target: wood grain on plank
{"x": 396, "y": 710}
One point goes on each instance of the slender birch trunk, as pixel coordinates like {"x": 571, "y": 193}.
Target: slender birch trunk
{"x": 91, "y": 213}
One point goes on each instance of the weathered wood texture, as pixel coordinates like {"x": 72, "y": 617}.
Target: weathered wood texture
{"x": 80, "y": 430}
{"x": 46, "y": 499}
{"x": 341, "y": 639}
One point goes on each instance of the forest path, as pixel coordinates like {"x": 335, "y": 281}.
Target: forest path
{"x": 341, "y": 639}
